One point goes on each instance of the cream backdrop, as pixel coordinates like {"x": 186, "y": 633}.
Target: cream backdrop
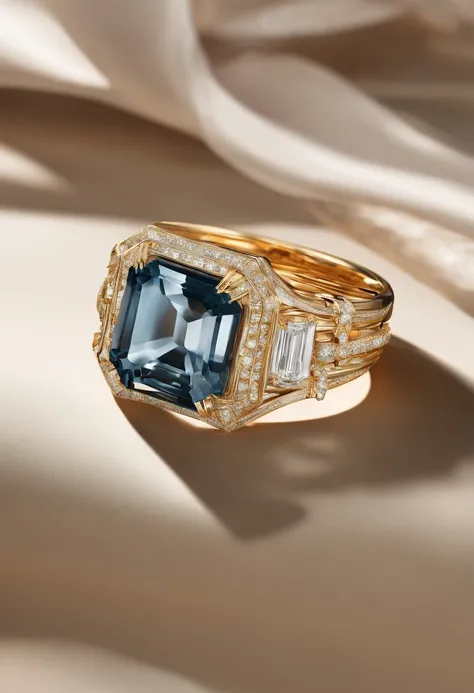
{"x": 333, "y": 553}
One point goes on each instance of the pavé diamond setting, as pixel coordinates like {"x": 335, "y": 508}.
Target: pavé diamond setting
{"x": 219, "y": 326}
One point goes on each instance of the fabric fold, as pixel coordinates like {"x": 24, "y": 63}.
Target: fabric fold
{"x": 282, "y": 119}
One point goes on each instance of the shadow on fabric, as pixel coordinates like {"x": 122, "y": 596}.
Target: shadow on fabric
{"x": 255, "y": 480}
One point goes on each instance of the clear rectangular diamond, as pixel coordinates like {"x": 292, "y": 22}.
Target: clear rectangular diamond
{"x": 291, "y": 357}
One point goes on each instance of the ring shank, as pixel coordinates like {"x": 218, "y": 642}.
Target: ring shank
{"x": 309, "y": 272}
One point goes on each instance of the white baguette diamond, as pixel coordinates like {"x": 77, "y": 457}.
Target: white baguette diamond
{"x": 291, "y": 357}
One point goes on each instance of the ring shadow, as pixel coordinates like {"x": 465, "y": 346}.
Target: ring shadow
{"x": 415, "y": 423}
{"x": 113, "y": 576}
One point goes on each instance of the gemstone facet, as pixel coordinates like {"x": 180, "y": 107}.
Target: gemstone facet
{"x": 174, "y": 336}
{"x": 291, "y": 357}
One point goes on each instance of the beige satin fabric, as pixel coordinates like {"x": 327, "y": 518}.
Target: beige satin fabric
{"x": 310, "y": 552}
{"x": 367, "y": 103}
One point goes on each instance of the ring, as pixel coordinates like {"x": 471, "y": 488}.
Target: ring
{"x": 225, "y": 327}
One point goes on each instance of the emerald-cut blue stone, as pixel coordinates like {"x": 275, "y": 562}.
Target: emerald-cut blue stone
{"x": 175, "y": 335}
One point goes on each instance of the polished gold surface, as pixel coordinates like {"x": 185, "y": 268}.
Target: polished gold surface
{"x": 309, "y": 272}
{"x": 277, "y": 284}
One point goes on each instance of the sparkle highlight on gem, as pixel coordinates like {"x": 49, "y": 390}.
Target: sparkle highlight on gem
{"x": 175, "y": 335}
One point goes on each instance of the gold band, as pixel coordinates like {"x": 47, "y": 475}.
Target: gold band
{"x": 310, "y": 321}
{"x": 309, "y": 272}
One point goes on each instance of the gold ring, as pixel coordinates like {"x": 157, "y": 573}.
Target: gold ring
{"x": 225, "y": 327}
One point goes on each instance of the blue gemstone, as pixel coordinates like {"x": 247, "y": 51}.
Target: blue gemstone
{"x": 175, "y": 335}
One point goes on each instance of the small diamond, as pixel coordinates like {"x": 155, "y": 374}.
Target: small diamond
{"x": 247, "y": 360}
{"x": 226, "y": 414}
{"x": 251, "y": 343}
{"x": 326, "y": 351}
{"x": 344, "y": 319}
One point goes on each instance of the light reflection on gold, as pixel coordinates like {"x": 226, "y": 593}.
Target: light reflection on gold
{"x": 339, "y": 400}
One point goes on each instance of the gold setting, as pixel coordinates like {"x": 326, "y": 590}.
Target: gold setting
{"x": 351, "y": 329}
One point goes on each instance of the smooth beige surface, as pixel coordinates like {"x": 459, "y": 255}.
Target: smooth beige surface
{"x": 142, "y": 554}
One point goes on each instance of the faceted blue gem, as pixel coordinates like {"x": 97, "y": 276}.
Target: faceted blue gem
{"x": 175, "y": 335}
